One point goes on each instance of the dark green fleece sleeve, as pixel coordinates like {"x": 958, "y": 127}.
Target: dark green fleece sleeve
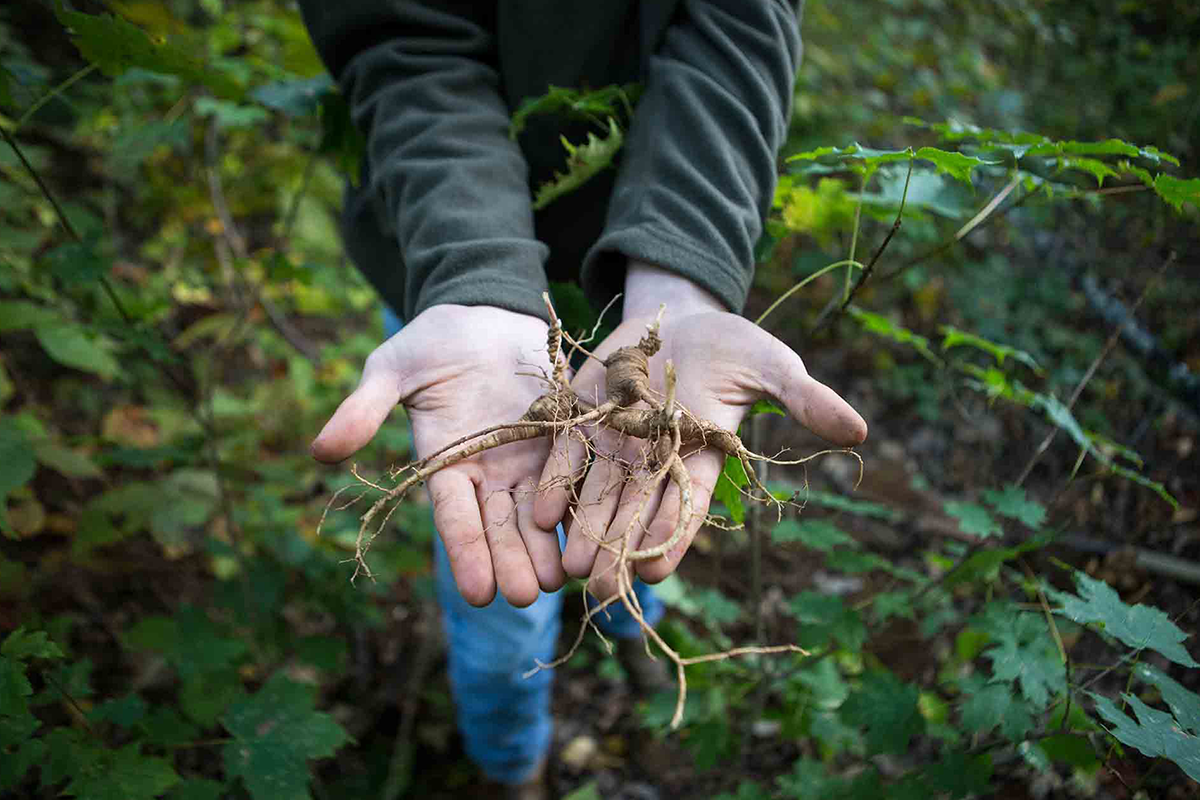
{"x": 699, "y": 167}
{"x": 447, "y": 183}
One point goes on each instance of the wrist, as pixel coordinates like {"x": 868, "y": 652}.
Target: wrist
{"x": 648, "y": 286}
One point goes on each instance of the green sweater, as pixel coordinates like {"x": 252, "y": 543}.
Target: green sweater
{"x": 443, "y": 209}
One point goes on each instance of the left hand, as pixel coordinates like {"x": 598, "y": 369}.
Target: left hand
{"x": 724, "y": 364}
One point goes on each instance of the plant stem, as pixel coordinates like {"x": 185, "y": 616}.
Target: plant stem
{"x": 849, "y": 263}
{"x": 53, "y": 93}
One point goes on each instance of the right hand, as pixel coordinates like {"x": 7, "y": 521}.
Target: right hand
{"x": 458, "y": 369}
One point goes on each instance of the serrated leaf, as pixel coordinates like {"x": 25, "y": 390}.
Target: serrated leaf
{"x": 166, "y": 727}
{"x": 1184, "y": 704}
{"x": 824, "y": 679}
{"x": 882, "y": 326}
{"x": 1177, "y": 191}
{"x": 1096, "y": 168}
{"x": 1136, "y": 626}
{"x": 1155, "y": 733}
{"x": 1071, "y": 749}
{"x": 809, "y": 778}
{"x": 22, "y": 644}
{"x": 71, "y": 345}
{"x": 126, "y": 711}
{"x": 298, "y": 98}
{"x": 67, "y": 753}
{"x": 705, "y": 604}
{"x": 277, "y": 731}
{"x": 986, "y": 705}
{"x": 1023, "y": 652}
{"x": 15, "y": 765}
{"x": 191, "y": 642}
{"x": 1011, "y": 501}
{"x": 16, "y": 465}
{"x": 956, "y": 165}
{"x": 727, "y": 491}
{"x": 953, "y": 337}
{"x": 887, "y": 708}
{"x": 863, "y": 508}
{"x": 886, "y": 605}
{"x": 584, "y": 162}
{"x": 818, "y": 534}
{"x": 973, "y": 519}
{"x": 123, "y": 774}
{"x": 116, "y": 45}
{"x": 824, "y": 618}
{"x": 984, "y": 565}
{"x": 586, "y": 792}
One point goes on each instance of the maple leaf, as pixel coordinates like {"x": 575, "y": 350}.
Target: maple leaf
{"x": 276, "y": 732}
{"x": 887, "y": 708}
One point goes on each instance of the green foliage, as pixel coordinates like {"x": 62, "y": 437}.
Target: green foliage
{"x": 1137, "y": 626}
{"x": 276, "y": 731}
{"x": 583, "y": 163}
{"x": 887, "y": 708}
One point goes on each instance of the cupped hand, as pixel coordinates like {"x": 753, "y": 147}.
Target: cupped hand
{"x": 724, "y": 364}
{"x": 458, "y": 369}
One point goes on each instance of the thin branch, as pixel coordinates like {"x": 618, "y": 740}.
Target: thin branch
{"x": 1091, "y": 370}
{"x": 53, "y": 93}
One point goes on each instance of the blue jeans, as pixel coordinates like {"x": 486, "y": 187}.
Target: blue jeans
{"x": 504, "y": 718}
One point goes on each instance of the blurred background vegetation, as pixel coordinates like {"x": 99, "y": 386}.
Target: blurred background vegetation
{"x": 168, "y": 353}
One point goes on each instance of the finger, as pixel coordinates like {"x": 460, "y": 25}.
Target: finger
{"x": 815, "y": 405}
{"x": 823, "y": 411}
{"x": 703, "y": 468}
{"x": 540, "y": 543}
{"x": 456, "y": 517}
{"x": 597, "y": 503}
{"x": 357, "y": 419}
{"x": 567, "y": 461}
{"x": 640, "y": 499}
{"x": 514, "y": 571}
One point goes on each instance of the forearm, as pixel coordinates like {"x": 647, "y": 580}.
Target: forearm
{"x": 443, "y": 180}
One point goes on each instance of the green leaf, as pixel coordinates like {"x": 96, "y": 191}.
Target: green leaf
{"x": 18, "y": 315}
{"x": 70, "y": 345}
{"x": 276, "y": 732}
{"x": 1071, "y": 749}
{"x": 818, "y": 534}
{"x": 953, "y": 337}
{"x": 166, "y": 727}
{"x": 727, "y": 491}
{"x": 126, "y": 712}
{"x": 887, "y": 708}
{"x": 1136, "y": 626}
{"x": 1011, "y": 501}
{"x": 886, "y": 605}
{"x": 1155, "y": 733}
{"x": 64, "y": 460}
{"x": 808, "y": 780}
{"x": 824, "y": 618}
{"x": 21, "y": 645}
{"x": 985, "y": 564}
{"x": 16, "y": 465}
{"x": 882, "y": 326}
{"x": 862, "y": 508}
{"x": 123, "y": 774}
{"x": 1184, "y": 704}
{"x": 584, "y": 162}
{"x": 959, "y": 775}
{"x": 765, "y": 407}
{"x": 706, "y": 604}
{"x": 972, "y": 519}
{"x": 1023, "y": 652}
{"x": 14, "y": 766}
{"x": 230, "y": 115}
{"x": 116, "y": 45}
{"x": 340, "y": 137}
{"x": 987, "y": 705}
{"x": 299, "y": 97}
{"x": 825, "y": 681}
{"x": 1178, "y": 191}
{"x": 191, "y": 642}
{"x": 586, "y": 792}
{"x": 78, "y": 262}
{"x": 14, "y": 687}
{"x": 956, "y": 165}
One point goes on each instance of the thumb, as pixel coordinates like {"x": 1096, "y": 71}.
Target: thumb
{"x": 815, "y": 405}
{"x": 359, "y": 416}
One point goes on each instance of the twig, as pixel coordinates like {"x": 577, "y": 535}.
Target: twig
{"x": 53, "y": 93}
{"x": 1113, "y": 338}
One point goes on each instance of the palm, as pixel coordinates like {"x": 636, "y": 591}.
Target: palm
{"x": 724, "y": 364}
{"x": 457, "y": 370}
